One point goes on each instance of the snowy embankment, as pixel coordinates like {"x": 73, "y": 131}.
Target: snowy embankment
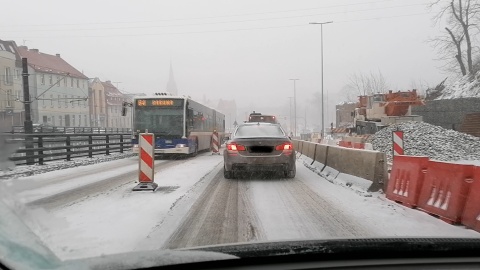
{"x": 466, "y": 87}
{"x": 423, "y": 139}
{"x": 27, "y": 170}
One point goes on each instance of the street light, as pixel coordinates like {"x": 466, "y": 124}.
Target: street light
{"x": 321, "y": 42}
{"x": 294, "y": 107}
{"x": 290, "y": 118}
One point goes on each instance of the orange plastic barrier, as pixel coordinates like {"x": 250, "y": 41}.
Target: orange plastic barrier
{"x": 445, "y": 190}
{"x": 471, "y": 214}
{"x": 406, "y": 179}
{"x": 358, "y": 145}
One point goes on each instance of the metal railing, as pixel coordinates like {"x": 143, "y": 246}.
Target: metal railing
{"x": 39, "y": 148}
{"x": 69, "y": 130}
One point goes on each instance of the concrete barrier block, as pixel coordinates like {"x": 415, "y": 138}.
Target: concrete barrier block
{"x": 310, "y": 150}
{"x": 321, "y": 153}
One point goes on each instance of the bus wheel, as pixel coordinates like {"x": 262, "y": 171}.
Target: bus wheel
{"x": 195, "y": 152}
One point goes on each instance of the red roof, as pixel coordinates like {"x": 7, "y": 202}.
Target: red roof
{"x": 114, "y": 96}
{"x": 47, "y": 63}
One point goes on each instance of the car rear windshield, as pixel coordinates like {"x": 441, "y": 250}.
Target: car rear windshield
{"x": 249, "y": 131}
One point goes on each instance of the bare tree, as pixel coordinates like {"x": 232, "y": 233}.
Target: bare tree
{"x": 456, "y": 46}
{"x": 366, "y": 84}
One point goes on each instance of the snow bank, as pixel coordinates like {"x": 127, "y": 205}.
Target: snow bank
{"x": 465, "y": 87}
{"x": 28, "y": 170}
{"x": 423, "y": 139}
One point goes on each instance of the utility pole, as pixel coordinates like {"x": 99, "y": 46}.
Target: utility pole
{"x": 27, "y": 125}
{"x": 294, "y": 107}
{"x": 321, "y": 46}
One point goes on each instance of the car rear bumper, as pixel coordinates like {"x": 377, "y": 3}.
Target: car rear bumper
{"x": 268, "y": 163}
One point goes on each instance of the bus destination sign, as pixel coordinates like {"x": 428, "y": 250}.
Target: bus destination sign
{"x": 159, "y": 102}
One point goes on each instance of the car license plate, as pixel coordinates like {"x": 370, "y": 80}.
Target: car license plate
{"x": 168, "y": 141}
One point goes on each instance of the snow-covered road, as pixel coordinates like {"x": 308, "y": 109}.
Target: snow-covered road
{"x": 88, "y": 211}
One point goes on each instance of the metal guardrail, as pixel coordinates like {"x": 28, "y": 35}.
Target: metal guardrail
{"x": 39, "y": 148}
{"x": 69, "y": 130}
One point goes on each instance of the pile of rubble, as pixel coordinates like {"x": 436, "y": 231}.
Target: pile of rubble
{"x": 423, "y": 139}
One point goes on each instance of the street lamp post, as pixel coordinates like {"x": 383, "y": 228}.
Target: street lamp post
{"x": 290, "y": 117}
{"x": 321, "y": 48}
{"x": 294, "y": 106}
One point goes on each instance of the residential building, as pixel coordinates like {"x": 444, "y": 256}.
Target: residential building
{"x": 59, "y": 91}
{"x": 97, "y": 103}
{"x": 114, "y": 102}
{"x": 12, "y": 112}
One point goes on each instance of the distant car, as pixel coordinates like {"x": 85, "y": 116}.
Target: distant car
{"x": 259, "y": 147}
{"x": 258, "y": 117}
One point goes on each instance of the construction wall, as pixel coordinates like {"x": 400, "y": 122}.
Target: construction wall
{"x": 344, "y": 114}
{"x": 447, "y": 113}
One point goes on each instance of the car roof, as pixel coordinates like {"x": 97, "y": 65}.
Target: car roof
{"x": 258, "y": 123}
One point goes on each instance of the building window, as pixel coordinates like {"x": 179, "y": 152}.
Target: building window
{"x": 42, "y": 79}
{"x": 60, "y": 119}
{"x": 78, "y": 101}
{"x": 17, "y": 74}
{"x": 9, "y": 96}
{"x": 51, "y": 79}
{"x": 8, "y": 76}
{"x": 85, "y": 122}
{"x": 58, "y": 100}
{"x": 64, "y": 81}
{"x": 78, "y": 84}
{"x": 71, "y": 82}
{"x": 73, "y": 120}
{"x": 17, "y": 95}
{"x": 43, "y": 102}
{"x": 79, "y": 120}
{"x": 53, "y": 120}
{"x": 73, "y": 101}
{"x": 51, "y": 100}
{"x": 65, "y": 100}
{"x": 58, "y": 81}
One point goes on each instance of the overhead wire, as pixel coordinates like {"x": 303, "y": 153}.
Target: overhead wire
{"x": 223, "y": 22}
{"x": 203, "y": 18}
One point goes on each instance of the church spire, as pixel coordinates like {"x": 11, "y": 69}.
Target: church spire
{"x": 171, "y": 85}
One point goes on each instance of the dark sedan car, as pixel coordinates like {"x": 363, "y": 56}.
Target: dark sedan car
{"x": 259, "y": 147}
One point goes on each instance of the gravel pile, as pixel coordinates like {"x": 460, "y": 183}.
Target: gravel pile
{"x": 423, "y": 139}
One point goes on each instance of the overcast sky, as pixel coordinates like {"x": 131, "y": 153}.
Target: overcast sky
{"x": 243, "y": 50}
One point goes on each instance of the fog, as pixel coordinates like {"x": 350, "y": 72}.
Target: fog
{"x": 242, "y": 50}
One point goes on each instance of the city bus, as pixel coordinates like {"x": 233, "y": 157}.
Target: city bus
{"x": 180, "y": 124}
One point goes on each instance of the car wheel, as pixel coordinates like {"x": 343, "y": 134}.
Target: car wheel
{"x": 227, "y": 174}
{"x": 291, "y": 173}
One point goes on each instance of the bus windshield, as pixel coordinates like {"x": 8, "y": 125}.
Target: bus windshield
{"x": 162, "y": 121}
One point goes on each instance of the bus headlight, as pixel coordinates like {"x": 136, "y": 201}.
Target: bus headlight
{"x": 180, "y": 145}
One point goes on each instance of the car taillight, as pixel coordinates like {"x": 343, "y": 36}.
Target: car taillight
{"x": 284, "y": 146}
{"x": 235, "y": 147}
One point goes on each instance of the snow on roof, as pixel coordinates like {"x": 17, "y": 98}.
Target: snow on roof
{"x": 346, "y": 102}
{"x": 465, "y": 87}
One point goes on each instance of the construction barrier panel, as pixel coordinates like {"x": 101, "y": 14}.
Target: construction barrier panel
{"x": 146, "y": 160}
{"x": 215, "y": 143}
{"x": 397, "y": 142}
{"x": 471, "y": 213}
{"x": 445, "y": 190}
{"x": 406, "y": 179}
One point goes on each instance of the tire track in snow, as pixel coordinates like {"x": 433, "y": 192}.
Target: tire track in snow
{"x": 222, "y": 214}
